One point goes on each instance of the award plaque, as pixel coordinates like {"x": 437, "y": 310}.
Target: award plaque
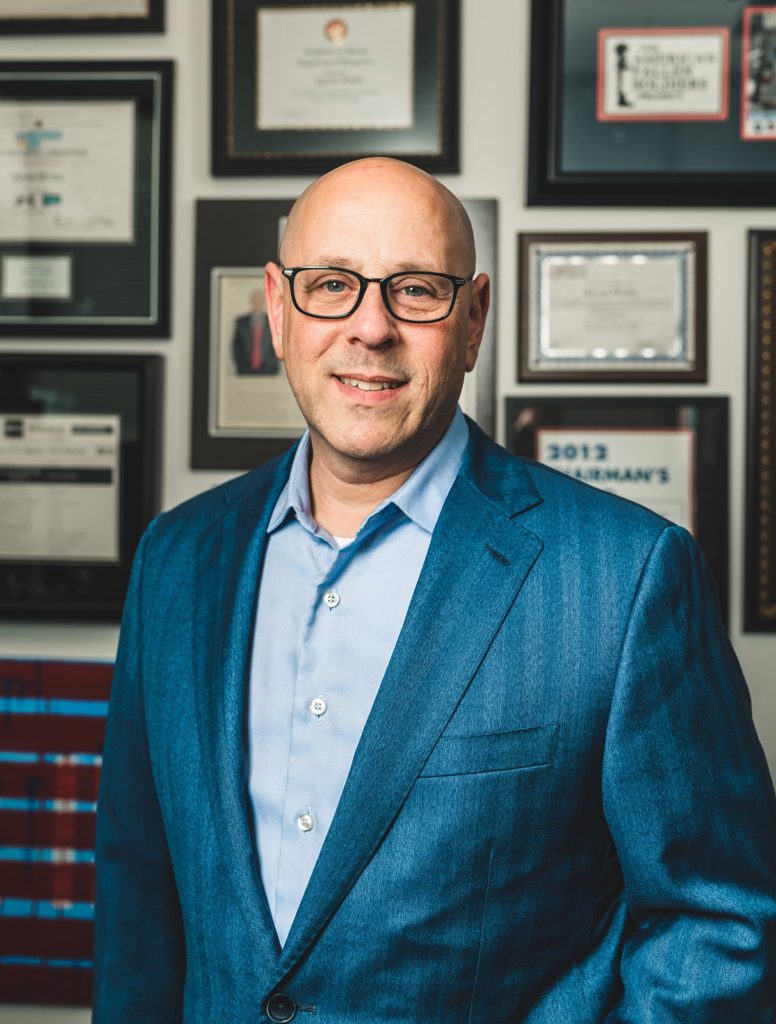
{"x": 760, "y": 576}
{"x": 669, "y": 454}
{"x": 300, "y": 88}
{"x": 612, "y": 307}
{"x": 79, "y": 479}
{"x": 652, "y": 102}
{"x": 85, "y": 182}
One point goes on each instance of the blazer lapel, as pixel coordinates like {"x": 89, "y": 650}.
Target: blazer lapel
{"x": 476, "y": 564}
{"x": 229, "y": 564}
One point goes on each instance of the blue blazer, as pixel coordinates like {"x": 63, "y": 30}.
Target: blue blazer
{"x": 558, "y": 812}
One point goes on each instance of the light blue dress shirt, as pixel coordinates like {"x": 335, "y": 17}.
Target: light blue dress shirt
{"x": 327, "y": 621}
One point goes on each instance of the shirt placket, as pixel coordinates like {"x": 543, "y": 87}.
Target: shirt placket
{"x": 306, "y": 811}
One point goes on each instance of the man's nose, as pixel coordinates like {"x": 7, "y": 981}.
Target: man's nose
{"x": 372, "y": 324}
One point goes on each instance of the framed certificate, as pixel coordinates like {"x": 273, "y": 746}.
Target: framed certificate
{"x": 79, "y": 479}
{"x": 53, "y": 727}
{"x": 760, "y": 574}
{"x": 670, "y": 454}
{"x": 652, "y": 101}
{"x": 612, "y": 307}
{"x": 54, "y": 16}
{"x": 300, "y": 88}
{"x": 85, "y": 183}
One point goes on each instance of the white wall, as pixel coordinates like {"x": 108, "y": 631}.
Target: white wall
{"x": 493, "y": 153}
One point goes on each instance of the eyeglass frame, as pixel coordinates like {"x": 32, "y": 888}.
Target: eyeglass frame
{"x": 363, "y": 282}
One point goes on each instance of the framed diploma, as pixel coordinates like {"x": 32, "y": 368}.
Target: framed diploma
{"x": 652, "y": 101}
{"x": 612, "y": 307}
{"x": 54, "y": 16}
{"x": 760, "y": 559}
{"x": 79, "y": 479}
{"x": 85, "y": 185}
{"x": 300, "y": 88}
{"x": 53, "y": 727}
{"x": 670, "y": 454}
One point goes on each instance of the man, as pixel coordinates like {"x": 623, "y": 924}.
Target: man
{"x": 252, "y": 349}
{"x": 405, "y": 729}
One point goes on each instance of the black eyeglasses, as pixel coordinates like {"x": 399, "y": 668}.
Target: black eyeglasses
{"x": 414, "y": 296}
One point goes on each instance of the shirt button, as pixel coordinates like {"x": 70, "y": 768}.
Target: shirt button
{"x": 306, "y": 821}
{"x": 331, "y": 599}
{"x": 318, "y": 706}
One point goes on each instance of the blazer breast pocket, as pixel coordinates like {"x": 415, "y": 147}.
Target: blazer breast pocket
{"x": 492, "y": 752}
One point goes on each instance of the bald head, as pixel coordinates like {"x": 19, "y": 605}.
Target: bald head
{"x": 374, "y": 193}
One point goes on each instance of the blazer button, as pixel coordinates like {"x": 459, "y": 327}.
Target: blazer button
{"x": 281, "y": 1008}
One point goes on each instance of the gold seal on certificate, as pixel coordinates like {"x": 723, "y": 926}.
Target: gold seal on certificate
{"x": 329, "y": 68}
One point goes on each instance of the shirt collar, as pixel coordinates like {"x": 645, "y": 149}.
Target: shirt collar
{"x": 420, "y": 497}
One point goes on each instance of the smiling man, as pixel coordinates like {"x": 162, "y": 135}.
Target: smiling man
{"x": 405, "y": 729}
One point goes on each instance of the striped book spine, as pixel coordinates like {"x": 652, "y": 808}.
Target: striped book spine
{"x": 52, "y": 726}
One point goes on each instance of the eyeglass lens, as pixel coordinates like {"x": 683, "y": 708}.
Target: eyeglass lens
{"x": 415, "y": 296}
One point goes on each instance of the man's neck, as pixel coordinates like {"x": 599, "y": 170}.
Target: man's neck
{"x": 340, "y": 503}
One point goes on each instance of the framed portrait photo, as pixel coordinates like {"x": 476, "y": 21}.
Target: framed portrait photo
{"x": 300, "y": 88}
{"x": 51, "y": 17}
{"x": 85, "y": 185}
{"x": 652, "y": 101}
{"x": 243, "y": 411}
{"x": 79, "y": 479}
{"x": 669, "y": 454}
{"x": 760, "y": 559}
{"x": 612, "y": 307}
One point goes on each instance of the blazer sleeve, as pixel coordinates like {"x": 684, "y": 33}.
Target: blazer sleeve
{"x": 139, "y": 948}
{"x": 690, "y": 807}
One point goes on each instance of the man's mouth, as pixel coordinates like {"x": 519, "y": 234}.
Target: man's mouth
{"x": 370, "y": 385}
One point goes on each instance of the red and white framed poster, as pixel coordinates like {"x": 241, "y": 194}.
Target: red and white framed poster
{"x": 758, "y": 74}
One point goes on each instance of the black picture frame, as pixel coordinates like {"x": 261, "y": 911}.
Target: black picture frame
{"x": 705, "y": 419}
{"x": 128, "y": 387}
{"x": 688, "y": 251}
{"x": 760, "y": 532}
{"x": 241, "y": 147}
{"x": 234, "y": 238}
{"x": 117, "y": 282}
{"x": 151, "y": 21}
{"x": 577, "y": 158}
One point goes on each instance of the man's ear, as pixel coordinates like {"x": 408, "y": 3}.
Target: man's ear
{"x": 479, "y": 302}
{"x": 274, "y": 290}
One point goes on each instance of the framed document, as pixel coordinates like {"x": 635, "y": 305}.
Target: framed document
{"x": 54, "y": 16}
{"x": 760, "y": 574}
{"x": 53, "y": 726}
{"x": 300, "y": 88}
{"x": 670, "y": 454}
{"x": 243, "y": 411}
{"x": 85, "y": 183}
{"x": 652, "y": 101}
{"x": 79, "y": 479}
{"x": 612, "y": 307}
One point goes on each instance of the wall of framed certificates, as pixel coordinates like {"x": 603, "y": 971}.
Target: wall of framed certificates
{"x": 610, "y": 285}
